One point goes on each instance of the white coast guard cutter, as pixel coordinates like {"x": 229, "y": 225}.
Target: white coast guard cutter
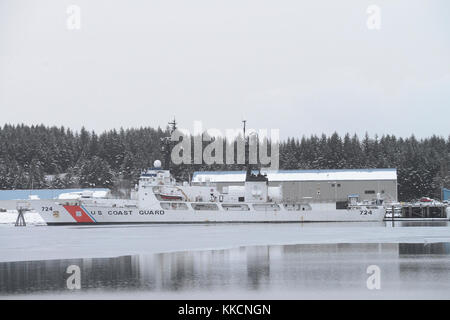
{"x": 161, "y": 200}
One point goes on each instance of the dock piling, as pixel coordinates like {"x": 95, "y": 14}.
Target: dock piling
{"x": 21, "y": 208}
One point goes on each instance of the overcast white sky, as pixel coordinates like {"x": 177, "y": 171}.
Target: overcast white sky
{"x": 301, "y": 66}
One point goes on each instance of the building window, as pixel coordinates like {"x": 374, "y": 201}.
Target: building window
{"x": 369, "y": 192}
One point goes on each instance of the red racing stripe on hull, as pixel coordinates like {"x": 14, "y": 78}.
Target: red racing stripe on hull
{"x": 78, "y": 214}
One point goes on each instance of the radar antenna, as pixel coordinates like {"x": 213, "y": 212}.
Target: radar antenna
{"x": 173, "y": 125}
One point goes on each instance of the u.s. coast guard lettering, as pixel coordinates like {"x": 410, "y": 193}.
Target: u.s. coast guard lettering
{"x": 126, "y": 212}
{"x": 120, "y": 212}
{"x": 143, "y": 212}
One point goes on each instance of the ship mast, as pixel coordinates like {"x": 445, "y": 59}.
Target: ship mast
{"x": 166, "y": 144}
{"x": 246, "y": 151}
{"x": 248, "y": 166}
{"x": 173, "y": 125}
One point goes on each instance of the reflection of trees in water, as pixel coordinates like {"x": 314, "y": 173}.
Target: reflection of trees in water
{"x": 117, "y": 272}
{"x": 193, "y": 270}
{"x": 337, "y": 266}
{"x": 180, "y": 270}
{"x": 242, "y": 267}
{"x": 258, "y": 266}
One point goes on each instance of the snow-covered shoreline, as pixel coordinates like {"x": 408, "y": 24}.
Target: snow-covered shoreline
{"x": 10, "y": 216}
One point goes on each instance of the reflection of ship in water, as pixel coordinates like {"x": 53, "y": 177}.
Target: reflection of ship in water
{"x": 276, "y": 267}
{"x": 425, "y": 275}
{"x": 50, "y": 275}
{"x": 424, "y": 248}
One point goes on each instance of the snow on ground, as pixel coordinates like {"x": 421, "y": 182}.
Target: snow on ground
{"x": 10, "y": 216}
{"x": 63, "y": 242}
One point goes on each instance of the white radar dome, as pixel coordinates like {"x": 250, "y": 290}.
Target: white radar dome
{"x": 157, "y": 164}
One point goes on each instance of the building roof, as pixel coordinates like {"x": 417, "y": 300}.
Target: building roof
{"x": 41, "y": 193}
{"x": 300, "y": 175}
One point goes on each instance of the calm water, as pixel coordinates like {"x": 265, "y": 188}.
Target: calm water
{"x": 407, "y": 270}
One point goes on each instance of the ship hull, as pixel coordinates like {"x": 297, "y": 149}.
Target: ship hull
{"x": 55, "y": 213}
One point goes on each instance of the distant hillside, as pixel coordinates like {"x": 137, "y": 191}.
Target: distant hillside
{"x": 51, "y": 157}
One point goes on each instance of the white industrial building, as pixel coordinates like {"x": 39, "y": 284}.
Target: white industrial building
{"x": 320, "y": 185}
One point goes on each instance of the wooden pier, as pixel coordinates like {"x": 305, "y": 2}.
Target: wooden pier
{"x": 418, "y": 211}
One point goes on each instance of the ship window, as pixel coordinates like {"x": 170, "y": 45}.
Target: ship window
{"x": 204, "y": 206}
{"x": 235, "y": 207}
{"x": 241, "y": 199}
{"x": 369, "y": 192}
{"x": 174, "y": 206}
{"x": 165, "y": 197}
{"x": 293, "y": 207}
{"x": 266, "y": 207}
{"x": 297, "y": 207}
{"x": 306, "y": 207}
